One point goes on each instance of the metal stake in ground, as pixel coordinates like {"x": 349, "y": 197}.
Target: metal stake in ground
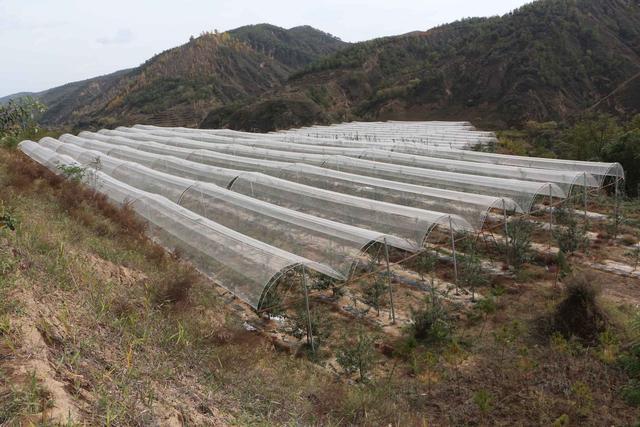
{"x": 453, "y": 249}
{"x": 586, "y": 193}
{"x": 386, "y": 258}
{"x": 550, "y": 216}
{"x": 616, "y": 209}
{"x": 506, "y": 231}
{"x": 306, "y": 302}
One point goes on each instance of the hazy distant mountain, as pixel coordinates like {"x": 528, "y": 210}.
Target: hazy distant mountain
{"x": 5, "y": 99}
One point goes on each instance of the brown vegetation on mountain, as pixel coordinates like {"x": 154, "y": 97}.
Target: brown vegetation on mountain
{"x": 548, "y": 60}
{"x": 180, "y": 85}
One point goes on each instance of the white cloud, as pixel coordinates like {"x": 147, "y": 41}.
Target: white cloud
{"x": 122, "y": 36}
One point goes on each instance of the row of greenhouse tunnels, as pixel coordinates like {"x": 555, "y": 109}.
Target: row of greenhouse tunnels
{"x": 386, "y": 223}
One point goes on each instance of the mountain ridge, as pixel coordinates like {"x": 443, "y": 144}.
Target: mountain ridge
{"x": 187, "y": 80}
{"x": 547, "y": 60}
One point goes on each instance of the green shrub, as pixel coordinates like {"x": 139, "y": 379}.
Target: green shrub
{"x": 73, "y": 172}
{"x": 506, "y": 336}
{"x": 631, "y": 392}
{"x": 634, "y": 255}
{"x": 357, "y": 355}
{"x": 7, "y": 220}
{"x": 18, "y": 117}
{"x": 563, "y": 213}
{"x": 432, "y": 322}
{"x": 563, "y": 265}
{"x": 629, "y": 361}
{"x": 470, "y": 272}
{"x": 323, "y": 283}
{"x": 375, "y": 291}
{"x": 426, "y": 263}
{"x": 487, "y": 305}
{"x": 570, "y": 237}
{"x": 321, "y": 324}
{"x": 583, "y": 397}
{"x": 519, "y": 240}
{"x": 483, "y": 400}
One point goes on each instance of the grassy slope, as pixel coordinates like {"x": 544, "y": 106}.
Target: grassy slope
{"x": 88, "y": 290}
{"x": 92, "y": 324}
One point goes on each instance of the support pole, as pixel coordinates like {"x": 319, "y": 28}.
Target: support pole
{"x": 306, "y": 302}
{"x": 586, "y": 193}
{"x": 386, "y": 258}
{"x": 616, "y": 209}
{"x": 455, "y": 259}
{"x": 506, "y": 230}
{"x": 550, "y": 216}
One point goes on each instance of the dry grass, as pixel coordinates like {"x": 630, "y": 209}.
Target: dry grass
{"x": 579, "y": 314}
{"x": 174, "y": 288}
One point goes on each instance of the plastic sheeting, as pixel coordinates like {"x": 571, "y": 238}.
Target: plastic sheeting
{"x": 431, "y": 133}
{"x": 219, "y": 135}
{"x": 411, "y": 224}
{"x": 418, "y": 137}
{"x": 474, "y": 208}
{"x": 522, "y": 192}
{"x": 238, "y": 263}
{"x": 168, "y": 164}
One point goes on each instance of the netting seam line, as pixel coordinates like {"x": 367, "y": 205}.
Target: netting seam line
{"x": 431, "y": 228}
{"x": 232, "y": 182}
{"x": 179, "y": 201}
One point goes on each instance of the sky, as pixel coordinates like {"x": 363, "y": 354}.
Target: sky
{"x": 46, "y": 43}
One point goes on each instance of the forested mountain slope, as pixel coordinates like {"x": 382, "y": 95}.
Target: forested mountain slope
{"x": 183, "y": 83}
{"x": 545, "y": 61}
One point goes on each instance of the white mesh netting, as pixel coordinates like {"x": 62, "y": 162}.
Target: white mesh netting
{"x": 246, "y": 207}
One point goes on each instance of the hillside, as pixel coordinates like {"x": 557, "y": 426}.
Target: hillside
{"x": 545, "y": 61}
{"x": 5, "y": 99}
{"x": 69, "y": 99}
{"x": 182, "y": 83}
